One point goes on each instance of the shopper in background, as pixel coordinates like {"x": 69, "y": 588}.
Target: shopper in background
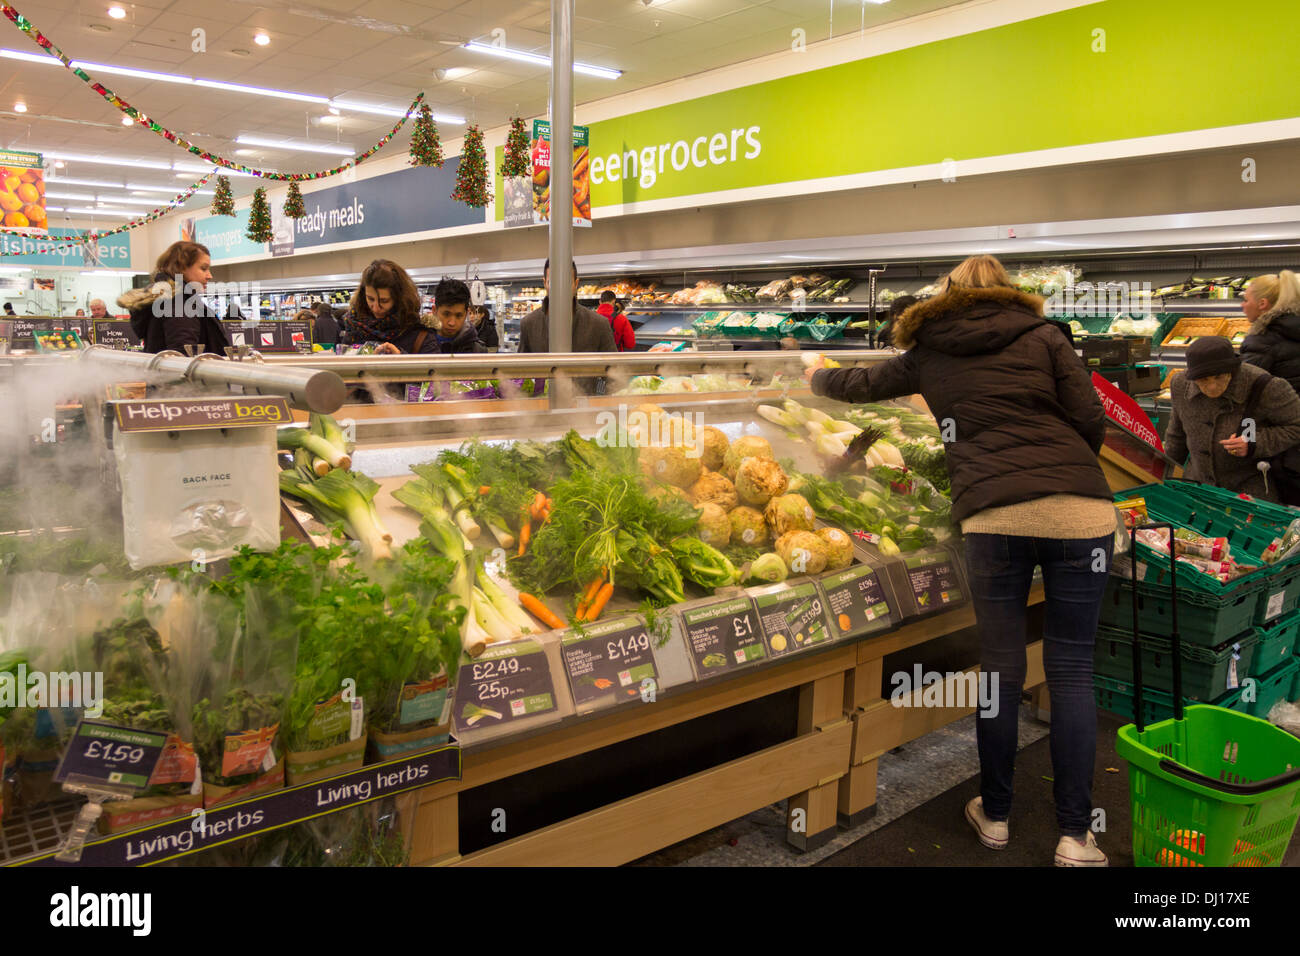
{"x": 451, "y": 310}
{"x": 324, "y": 327}
{"x": 1272, "y": 304}
{"x": 591, "y": 332}
{"x": 612, "y": 309}
{"x": 1206, "y": 427}
{"x": 171, "y": 313}
{"x": 9, "y": 308}
{"x": 884, "y": 334}
{"x": 1025, "y": 428}
{"x": 98, "y": 310}
{"x": 81, "y": 314}
{"x": 386, "y": 309}
{"x": 486, "y": 326}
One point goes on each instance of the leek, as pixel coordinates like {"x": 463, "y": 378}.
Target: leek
{"x": 510, "y": 610}
{"x": 796, "y": 411}
{"x": 497, "y": 627}
{"x": 504, "y": 537}
{"x": 778, "y": 417}
{"x": 291, "y": 439}
{"x": 348, "y": 496}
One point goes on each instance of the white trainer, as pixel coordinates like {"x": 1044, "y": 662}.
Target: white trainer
{"x": 1070, "y": 853}
{"x": 994, "y": 834}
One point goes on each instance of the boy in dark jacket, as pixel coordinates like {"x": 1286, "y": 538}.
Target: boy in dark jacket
{"x": 451, "y": 301}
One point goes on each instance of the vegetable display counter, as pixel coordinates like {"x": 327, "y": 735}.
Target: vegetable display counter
{"x": 670, "y": 614}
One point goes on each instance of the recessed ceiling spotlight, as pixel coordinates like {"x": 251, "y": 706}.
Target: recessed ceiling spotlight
{"x": 60, "y": 164}
{"x": 20, "y": 107}
{"x": 126, "y": 121}
{"x": 261, "y": 39}
{"x": 117, "y": 13}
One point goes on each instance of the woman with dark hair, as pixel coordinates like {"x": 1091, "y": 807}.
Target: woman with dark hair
{"x": 171, "y": 313}
{"x": 885, "y": 334}
{"x": 1023, "y": 426}
{"x": 485, "y": 324}
{"x": 386, "y": 309}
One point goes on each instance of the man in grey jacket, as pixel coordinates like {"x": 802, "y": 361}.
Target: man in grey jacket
{"x": 591, "y": 331}
{"x": 1206, "y": 427}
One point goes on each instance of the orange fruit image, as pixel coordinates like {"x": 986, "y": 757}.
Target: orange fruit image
{"x": 844, "y": 622}
{"x": 40, "y": 186}
{"x": 30, "y": 175}
{"x": 16, "y": 220}
{"x": 10, "y": 203}
{"x": 12, "y": 183}
{"x": 27, "y": 193}
{"x": 34, "y": 213}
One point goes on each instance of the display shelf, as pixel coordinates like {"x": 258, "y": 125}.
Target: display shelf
{"x": 235, "y": 821}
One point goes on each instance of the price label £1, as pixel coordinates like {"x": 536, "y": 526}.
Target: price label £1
{"x": 609, "y": 659}
{"x": 117, "y": 758}
{"x": 723, "y": 635}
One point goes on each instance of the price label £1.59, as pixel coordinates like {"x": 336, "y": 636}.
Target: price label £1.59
{"x": 117, "y": 758}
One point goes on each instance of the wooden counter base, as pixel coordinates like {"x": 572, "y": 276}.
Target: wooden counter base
{"x": 827, "y": 771}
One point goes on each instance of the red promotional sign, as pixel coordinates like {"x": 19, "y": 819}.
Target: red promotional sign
{"x": 1123, "y": 411}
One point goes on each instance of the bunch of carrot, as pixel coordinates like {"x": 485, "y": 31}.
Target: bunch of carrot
{"x": 595, "y": 597}
{"x": 539, "y": 510}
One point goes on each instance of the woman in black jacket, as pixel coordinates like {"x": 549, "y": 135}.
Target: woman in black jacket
{"x": 1022, "y": 427}
{"x": 171, "y": 313}
{"x": 1272, "y": 304}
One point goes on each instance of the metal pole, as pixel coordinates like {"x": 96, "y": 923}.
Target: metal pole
{"x": 561, "y": 237}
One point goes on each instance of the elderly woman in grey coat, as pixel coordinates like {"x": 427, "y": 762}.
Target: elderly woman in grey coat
{"x": 1206, "y": 428}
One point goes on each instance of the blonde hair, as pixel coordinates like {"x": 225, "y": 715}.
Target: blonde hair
{"x": 979, "y": 272}
{"x": 1282, "y": 291}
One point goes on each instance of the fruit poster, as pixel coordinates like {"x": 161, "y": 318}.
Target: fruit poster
{"x": 22, "y": 190}
{"x": 542, "y": 178}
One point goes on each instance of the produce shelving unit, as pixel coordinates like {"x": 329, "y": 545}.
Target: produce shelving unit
{"x": 828, "y": 703}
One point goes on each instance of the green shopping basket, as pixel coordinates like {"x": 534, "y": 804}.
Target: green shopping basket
{"x": 1210, "y": 787}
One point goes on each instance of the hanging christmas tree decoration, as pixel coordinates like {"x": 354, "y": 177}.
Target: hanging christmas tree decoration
{"x": 517, "y": 160}
{"x": 426, "y": 147}
{"x": 293, "y": 207}
{"x": 471, "y": 177}
{"x": 259, "y": 217}
{"x": 223, "y": 203}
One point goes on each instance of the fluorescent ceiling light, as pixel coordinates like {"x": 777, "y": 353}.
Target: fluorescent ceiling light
{"x": 171, "y": 191}
{"x": 540, "y": 60}
{"x": 10, "y": 270}
{"x": 102, "y": 161}
{"x": 218, "y": 85}
{"x": 305, "y": 146}
{"x": 54, "y": 209}
{"x": 127, "y": 71}
{"x": 84, "y": 198}
{"x": 61, "y": 181}
{"x": 262, "y": 91}
{"x": 99, "y": 212}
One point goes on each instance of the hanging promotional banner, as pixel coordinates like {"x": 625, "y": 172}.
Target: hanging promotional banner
{"x": 543, "y": 181}
{"x": 400, "y": 203}
{"x": 22, "y": 190}
{"x": 1125, "y": 412}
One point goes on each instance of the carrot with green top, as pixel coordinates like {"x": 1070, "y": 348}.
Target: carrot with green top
{"x": 602, "y": 598}
{"x": 589, "y": 595}
{"x": 525, "y": 533}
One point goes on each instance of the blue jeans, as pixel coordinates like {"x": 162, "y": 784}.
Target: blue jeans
{"x": 1074, "y": 577}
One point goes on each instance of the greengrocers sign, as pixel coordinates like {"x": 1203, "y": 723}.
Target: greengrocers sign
{"x": 1057, "y": 81}
{"x": 647, "y": 164}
